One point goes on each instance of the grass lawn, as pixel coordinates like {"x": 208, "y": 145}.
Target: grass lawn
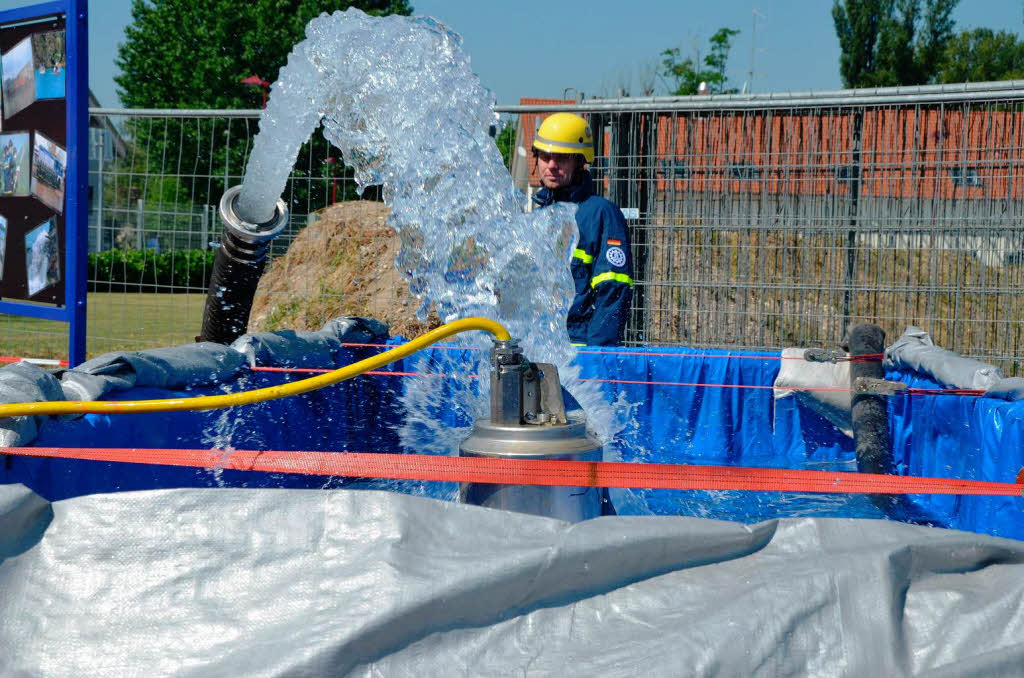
{"x": 116, "y": 321}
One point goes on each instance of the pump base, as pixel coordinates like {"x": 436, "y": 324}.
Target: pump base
{"x": 569, "y": 442}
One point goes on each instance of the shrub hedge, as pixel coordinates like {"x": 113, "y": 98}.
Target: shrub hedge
{"x": 127, "y": 270}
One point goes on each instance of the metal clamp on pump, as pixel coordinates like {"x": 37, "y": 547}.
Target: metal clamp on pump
{"x": 523, "y": 393}
{"x": 528, "y": 421}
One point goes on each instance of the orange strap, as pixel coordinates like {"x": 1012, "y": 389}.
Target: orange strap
{"x": 532, "y": 472}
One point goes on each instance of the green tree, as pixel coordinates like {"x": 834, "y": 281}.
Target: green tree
{"x": 188, "y": 54}
{"x": 505, "y": 140}
{"x": 892, "y": 42}
{"x": 686, "y": 74}
{"x": 983, "y": 55}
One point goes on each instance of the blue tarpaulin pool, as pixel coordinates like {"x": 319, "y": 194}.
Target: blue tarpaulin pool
{"x": 945, "y": 436}
{"x": 280, "y": 581}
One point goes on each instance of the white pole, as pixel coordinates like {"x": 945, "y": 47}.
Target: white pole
{"x": 753, "y": 35}
{"x": 138, "y": 226}
{"x": 99, "y": 190}
{"x": 204, "y": 228}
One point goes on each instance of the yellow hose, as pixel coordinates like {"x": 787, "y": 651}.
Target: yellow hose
{"x": 261, "y": 394}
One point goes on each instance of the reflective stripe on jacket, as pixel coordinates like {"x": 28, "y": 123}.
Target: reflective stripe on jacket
{"x": 602, "y": 265}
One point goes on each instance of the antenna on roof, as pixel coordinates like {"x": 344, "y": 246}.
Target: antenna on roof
{"x": 753, "y": 48}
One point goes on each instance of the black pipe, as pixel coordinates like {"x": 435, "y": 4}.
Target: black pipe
{"x": 871, "y": 424}
{"x": 869, "y": 412}
{"x": 870, "y": 415}
{"x": 237, "y": 268}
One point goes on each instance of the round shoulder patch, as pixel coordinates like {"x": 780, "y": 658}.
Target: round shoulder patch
{"x": 615, "y": 256}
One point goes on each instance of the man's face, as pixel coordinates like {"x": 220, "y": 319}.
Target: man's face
{"x": 556, "y": 169}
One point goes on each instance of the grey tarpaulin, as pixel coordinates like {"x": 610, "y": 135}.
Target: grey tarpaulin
{"x": 1011, "y": 388}
{"x": 24, "y": 383}
{"x": 240, "y": 582}
{"x": 309, "y": 349}
{"x": 915, "y": 350}
{"x": 209, "y": 363}
{"x": 171, "y": 367}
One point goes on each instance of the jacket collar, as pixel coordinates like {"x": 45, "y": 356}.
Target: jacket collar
{"x": 577, "y": 192}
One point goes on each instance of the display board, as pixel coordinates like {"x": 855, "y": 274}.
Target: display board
{"x": 43, "y": 170}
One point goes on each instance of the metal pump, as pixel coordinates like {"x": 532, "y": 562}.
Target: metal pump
{"x": 237, "y": 268}
{"x": 528, "y": 421}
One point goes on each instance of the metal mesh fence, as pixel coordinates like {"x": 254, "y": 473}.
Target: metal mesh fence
{"x": 755, "y": 222}
{"x": 161, "y": 189}
{"x": 767, "y": 223}
{"x": 155, "y": 180}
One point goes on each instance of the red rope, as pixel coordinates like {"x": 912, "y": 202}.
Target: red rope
{"x": 317, "y": 370}
{"x": 862, "y": 358}
{"x": 39, "y": 361}
{"x": 702, "y": 385}
{"x": 870, "y": 357}
{"x": 693, "y": 355}
{"x": 532, "y": 472}
{"x": 445, "y": 347}
{"x": 865, "y": 358}
{"x": 421, "y": 375}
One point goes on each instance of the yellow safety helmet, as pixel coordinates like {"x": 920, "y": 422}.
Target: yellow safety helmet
{"x": 565, "y": 133}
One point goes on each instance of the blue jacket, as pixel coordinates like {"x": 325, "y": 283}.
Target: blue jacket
{"x": 602, "y": 265}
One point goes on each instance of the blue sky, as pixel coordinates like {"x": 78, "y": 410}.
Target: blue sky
{"x": 539, "y": 48}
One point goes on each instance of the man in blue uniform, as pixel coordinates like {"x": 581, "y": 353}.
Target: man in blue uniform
{"x": 602, "y": 264}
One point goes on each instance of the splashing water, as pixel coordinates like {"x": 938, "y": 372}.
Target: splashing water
{"x": 396, "y": 95}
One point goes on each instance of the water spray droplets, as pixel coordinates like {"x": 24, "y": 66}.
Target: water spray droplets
{"x": 396, "y": 95}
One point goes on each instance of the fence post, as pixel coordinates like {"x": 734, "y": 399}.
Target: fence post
{"x": 851, "y": 234}
{"x": 204, "y": 227}
{"x": 629, "y": 188}
{"x": 98, "y": 195}
{"x": 139, "y": 223}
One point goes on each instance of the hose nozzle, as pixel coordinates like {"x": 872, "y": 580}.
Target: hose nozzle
{"x": 246, "y": 231}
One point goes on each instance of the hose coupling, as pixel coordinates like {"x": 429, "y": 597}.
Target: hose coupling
{"x": 253, "y": 234}
{"x": 821, "y": 355}
{"x": 880, "y": 387}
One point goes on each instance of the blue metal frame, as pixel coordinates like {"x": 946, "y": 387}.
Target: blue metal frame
{"x": 76, "y": 187}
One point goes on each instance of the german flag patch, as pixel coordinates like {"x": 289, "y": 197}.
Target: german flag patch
{"x": 616, "y": 243}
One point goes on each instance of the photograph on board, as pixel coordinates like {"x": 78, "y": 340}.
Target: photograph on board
{"x": 48, "y": 63}
{"x": 42, "y": 261}
{"x": 19, "y": 82}
{"x": 3, "y": 243}
{"x": 14, "y": 164}
{"x": 49, "y": 162}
